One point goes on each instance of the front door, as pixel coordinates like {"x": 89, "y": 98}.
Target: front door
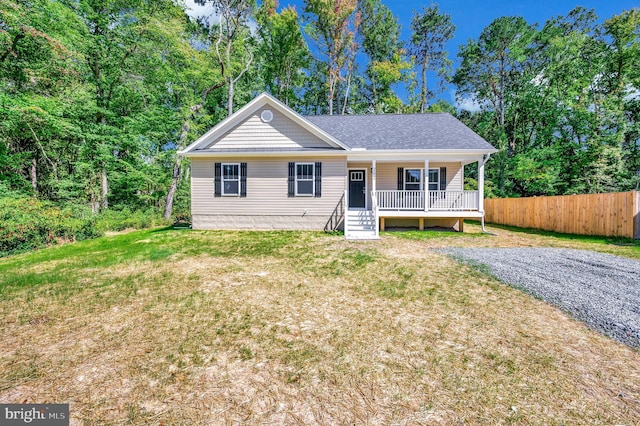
{"x": 357, "y": 189}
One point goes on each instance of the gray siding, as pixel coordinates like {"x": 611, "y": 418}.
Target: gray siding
{"x": 281, "y": 132}
{"x": 266, "y": 189}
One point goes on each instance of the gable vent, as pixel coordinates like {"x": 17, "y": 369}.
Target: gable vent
{"x": 266, "y": 116}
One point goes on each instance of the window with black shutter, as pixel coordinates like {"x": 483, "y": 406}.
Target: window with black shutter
{"x": 305, "y": 179}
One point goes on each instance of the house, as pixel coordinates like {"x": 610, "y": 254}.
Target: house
{"x": 268, "y": 167}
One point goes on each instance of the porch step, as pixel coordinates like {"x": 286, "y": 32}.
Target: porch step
{"x": 361, "y": 225}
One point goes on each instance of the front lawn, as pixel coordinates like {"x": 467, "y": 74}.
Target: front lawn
{"x": 190, "y": 327}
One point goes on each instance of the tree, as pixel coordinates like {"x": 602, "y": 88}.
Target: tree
{"x": 283, "y": 51}
{"x": 37, "y": 63}
{"x": 379, "y": 35}
{"x": 333, "y": 25}
{"x": 431, "y": 32}
{"x": 491, "y": 65}
{"x": 623, "y": 71}
{"x": 233, "y": 41}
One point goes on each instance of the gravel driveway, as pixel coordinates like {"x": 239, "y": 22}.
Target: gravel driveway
{"x": 600, "y": 289}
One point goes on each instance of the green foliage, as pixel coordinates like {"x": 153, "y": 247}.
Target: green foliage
{"x": 96, "y": 97}
{"x": 284, "y": 53}
{"x": 431, "y": 30}
{"x": 560, "y": 102}
{"x": 332, "y": 25}
{"x": 28, "y": 224}
{"x": 388, "y": 64}
{"x": 119, "y": 220}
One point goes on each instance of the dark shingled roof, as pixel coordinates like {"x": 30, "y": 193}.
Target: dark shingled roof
{"x": 400, "y": 131}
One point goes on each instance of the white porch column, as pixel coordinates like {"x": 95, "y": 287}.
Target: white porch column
{"x": 373, "y": 175}
{"x": 374, "y": 200}
{"x": 426, "y": 185}
{"x": 481, "y": 184}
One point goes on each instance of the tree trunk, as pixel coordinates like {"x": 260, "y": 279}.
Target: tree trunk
{"x": 104, "y": 201}
{"x": 177, "y": 165}
{"x": 503, "y": 77}
{"x": 168, "y": 208}
{"x": 423, "y": 91}
{"x": 34, "y": 175}
{"x": 230, "y": 101}
{"x": 346, "y": 95}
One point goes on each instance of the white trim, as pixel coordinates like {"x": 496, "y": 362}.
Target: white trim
{"x": 404, "y": 179}
{"x": 426, "y": 181}
{"x": 222, "y": 180}
{"x": 437, "y": 170}
{"x": 313, "y": 179}
{"x": 249, "y": 109}
{"x": 366, "y": 188}
{"x": 381, "y": 157}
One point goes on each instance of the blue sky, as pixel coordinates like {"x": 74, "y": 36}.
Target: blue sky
{"x": 472, "y": 16}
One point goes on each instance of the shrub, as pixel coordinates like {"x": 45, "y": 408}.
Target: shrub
{"x": 28, "y": 223}
{"x": 119, "y": 220}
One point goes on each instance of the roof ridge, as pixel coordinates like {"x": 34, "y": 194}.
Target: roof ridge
{"x": 380, "y": 115}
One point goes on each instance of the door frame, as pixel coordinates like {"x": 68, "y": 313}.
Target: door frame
{"x": 366, "y": 187}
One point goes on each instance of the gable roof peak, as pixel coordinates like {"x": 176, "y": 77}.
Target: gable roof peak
{"x": 249, "y": 109}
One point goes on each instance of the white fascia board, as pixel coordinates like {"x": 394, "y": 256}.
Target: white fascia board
{"x": 463, "y": 155}
{"x": 246, "y": 111}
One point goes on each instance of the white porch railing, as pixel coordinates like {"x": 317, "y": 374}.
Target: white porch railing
{"x": 415, "y": 200}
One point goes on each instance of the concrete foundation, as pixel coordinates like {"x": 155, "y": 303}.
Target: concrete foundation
{"x": 307, "y": 222}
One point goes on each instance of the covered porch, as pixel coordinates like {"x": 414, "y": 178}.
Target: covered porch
{"x": 403, "y": 192}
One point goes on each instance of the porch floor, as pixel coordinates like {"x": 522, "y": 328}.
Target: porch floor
{"x": 431, "y": 214}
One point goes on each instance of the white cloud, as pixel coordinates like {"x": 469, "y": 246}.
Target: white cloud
{"x": 207, "y": 11}
{"x": 468, "y": 103}
{"x": 196, "y": 11}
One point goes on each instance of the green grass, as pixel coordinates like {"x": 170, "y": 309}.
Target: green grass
{"x": 298, "y": 327}
{"x": 588, "y": 239}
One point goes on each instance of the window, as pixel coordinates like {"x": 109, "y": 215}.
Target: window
{"x": 434, "y": 179}
{"x": 231, "y": 179}
{"x": 304, "y": 178}
{"x": 412, "y": 179}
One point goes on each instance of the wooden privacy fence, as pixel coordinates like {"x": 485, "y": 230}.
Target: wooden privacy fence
{"x": 612, "y": 214}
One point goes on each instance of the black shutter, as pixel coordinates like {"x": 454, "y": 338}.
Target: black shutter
{"x": 243, "y": 179}
{"x": 443, "y": 178}
{"x": 400, "y": 178}
{"x": 218, "y": 180}
{"x": 318, "y": 180}
{"x": 292, "y": 179}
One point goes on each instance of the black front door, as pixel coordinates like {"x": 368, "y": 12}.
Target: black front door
{"x": 357, "y": 189}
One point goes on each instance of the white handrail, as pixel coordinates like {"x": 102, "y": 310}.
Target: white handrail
{"x": 345, "y": 221}
{"x": 374, "y": 201}
{"x": 415, "y": 200}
